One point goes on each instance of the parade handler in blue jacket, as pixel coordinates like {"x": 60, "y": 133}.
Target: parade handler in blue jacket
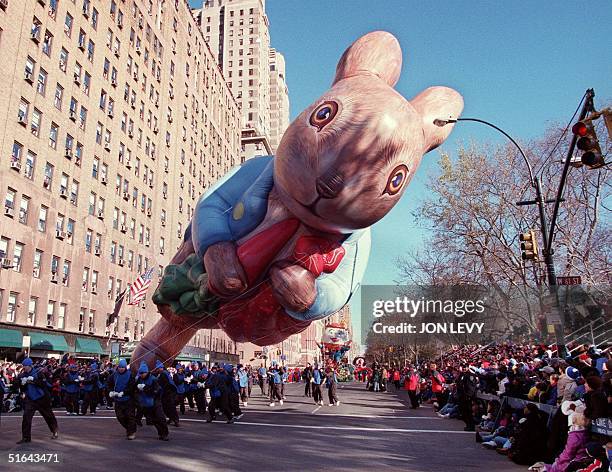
{"x": 181, "y": 387}
{"x": 90, "y": 389}
{"x": 121, "y": 388}
{"x": 219, "y": 385}
{"x": 33, "y": 387}
{"x": 168, "y": 396}
{"x": 148, "y": 394}
{"x": 71, "y": 387}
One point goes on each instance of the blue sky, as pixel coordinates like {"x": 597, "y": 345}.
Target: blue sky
{"x": 522, "y": 65}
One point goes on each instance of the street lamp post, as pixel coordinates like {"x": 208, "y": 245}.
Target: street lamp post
{"x": 547, "y": 235}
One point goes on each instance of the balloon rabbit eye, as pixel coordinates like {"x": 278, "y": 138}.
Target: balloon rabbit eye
{"x": 323, "y": 114}
{"x": 396, "y": 180}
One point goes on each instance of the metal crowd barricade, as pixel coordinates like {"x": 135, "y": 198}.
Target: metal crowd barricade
{"x": 600, "y": 425}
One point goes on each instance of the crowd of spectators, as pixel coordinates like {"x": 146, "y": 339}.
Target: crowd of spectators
{"x": 529, "y": 404}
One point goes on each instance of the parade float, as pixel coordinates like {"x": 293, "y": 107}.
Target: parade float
{"x": 284, "y": 240}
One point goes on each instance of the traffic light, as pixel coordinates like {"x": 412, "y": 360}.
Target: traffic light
{"x": 588, "y": 144}
{"x": 529, "y": 246}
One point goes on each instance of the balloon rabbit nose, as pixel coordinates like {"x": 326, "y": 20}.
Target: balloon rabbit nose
{"x": 330, "y": 185}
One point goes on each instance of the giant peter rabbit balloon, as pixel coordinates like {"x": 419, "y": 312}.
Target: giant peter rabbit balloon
{"x": 284, "y": 240}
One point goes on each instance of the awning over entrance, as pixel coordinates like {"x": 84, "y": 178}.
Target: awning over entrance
{"x": 47, "y": 342}
{"x": 87, "y": 345}
{"x": 10, "y": 338}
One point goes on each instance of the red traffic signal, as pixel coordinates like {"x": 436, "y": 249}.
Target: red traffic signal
{"x": 587, "y": 142}
{"x": 580, "y": 129}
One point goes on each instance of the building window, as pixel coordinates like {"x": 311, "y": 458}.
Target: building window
{"x": 85, "y": 278}
{"x": 4, "y": 242}
{"x": 24, "y": 210}
{"x": 66, "y": 273}
{"x": 50, "y": 313}
{"x": 63, "y": 60}
{"x": 53, "y": 132}
{"x": 36, "y": 121}
{"x": 61, "y": 316}
{"x": 68, "y": 25}
{"x": 22, "y": 114}
{"x": 94, "y": 19}
{"x": 17, "y": 255}
{"x": 82, "y": 320}
{"x": 30, "y": 164}
{"x": 90, "y": 50}
{"x": 37, "y": 263}
{"x": 11, "y": 311}
{"x": 29, "y": 69}
{"x": 48, "y": 180}
{"x": 86, "y": 83}
{"x": 59, "y": 95}
{"x": 70, "y": 231}
{"x": 83, "y": 118}
{"x": 47, "y": 43}
{"x": 53, "y": 8}
{"x": 32, "y": 305}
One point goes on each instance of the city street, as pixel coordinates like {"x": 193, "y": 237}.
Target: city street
{"x": 367, "y": 431}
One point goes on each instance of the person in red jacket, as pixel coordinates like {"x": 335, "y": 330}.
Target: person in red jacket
{"x": 411, "y": 384}
{"x": 396, "y": 379}
{"x": 437, "y": 380}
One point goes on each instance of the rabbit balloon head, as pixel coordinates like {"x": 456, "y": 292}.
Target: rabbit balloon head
{"x": 346, "y": 160}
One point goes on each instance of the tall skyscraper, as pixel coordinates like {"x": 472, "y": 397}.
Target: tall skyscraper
{"x": 115, "y": 120}
{"x": 279, "y": 99}
{"x": 237, "y": 32}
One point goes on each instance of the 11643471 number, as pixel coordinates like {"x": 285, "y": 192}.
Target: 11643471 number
{"x": 34, "y": 458}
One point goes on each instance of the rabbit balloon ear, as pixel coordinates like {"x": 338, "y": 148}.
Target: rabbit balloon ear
{"x": 377, "y": 53}
{"x": 437, "y": 103}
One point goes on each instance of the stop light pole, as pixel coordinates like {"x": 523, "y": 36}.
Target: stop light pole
{"x": 547, "y": 235}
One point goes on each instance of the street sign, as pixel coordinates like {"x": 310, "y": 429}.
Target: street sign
{"x": 571, "y": 280}
{"x": 283, "y": 357}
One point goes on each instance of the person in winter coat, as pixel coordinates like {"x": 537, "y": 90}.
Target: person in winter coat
{"x": 411, "y": 384}
{"x": 566, "y": 386}
{"x": 90, "y": 389}
{"x": 250, "y": 378}
{"x": 71, "y": 387}
{"x": 262, "y": 374}
{"x": 529, "y": 443}
{"x": 597, "y": 405}
{"x": 243, "y": 381}
{"x": 234, "y": 390}
{"x": 466, "y": 392}
{"x": 168, "y": 395}
{"x": 181, "y": 387}
{"x": 219, "y": 388}
{"x": 575, "y": 447}
{"x": 317, "y": 380}
{"x": 275, "y": 382}
{"x": 331, "y": 381}
{"x": 148, "y": 395}
{"x": 396, "y": 379}
{"x": 33, "y": 386}
{"x": 307, "y": 378}
{"x": 200, "y": 392}
{"x": 121, "y": 388}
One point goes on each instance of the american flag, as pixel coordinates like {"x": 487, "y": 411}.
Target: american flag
{"x": 138, "y": 290}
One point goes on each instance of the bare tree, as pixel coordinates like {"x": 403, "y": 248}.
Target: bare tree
{"x": 474, "y": 225}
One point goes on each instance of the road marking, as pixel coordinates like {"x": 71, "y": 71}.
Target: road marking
{"x": 254, "y": 411}
{"x": 346, "y": 428}
{"x": 335, "y": 428}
